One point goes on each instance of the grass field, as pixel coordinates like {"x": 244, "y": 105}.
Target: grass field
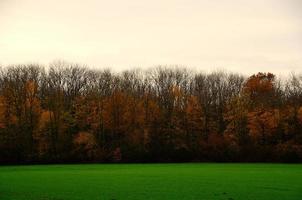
{"x": 151, "y": 181}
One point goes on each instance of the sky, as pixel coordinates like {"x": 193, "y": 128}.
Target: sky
{"x": 240, "y": 35}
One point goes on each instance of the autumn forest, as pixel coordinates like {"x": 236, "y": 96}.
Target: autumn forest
{"x": 68, "y": 113}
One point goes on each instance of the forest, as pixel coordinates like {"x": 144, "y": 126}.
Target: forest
{"x": 70, "y": 113}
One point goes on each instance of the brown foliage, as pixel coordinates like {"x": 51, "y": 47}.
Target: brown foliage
{"x": 263, "y": 124}
{"x": 69, "y": 113}
{"x": 300, "y": 114}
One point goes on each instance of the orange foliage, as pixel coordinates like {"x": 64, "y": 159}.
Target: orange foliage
{"x": 44, "y": 118}
{"x": 114, "y": 110}
{"x": 236, "y": 117}
{"x": 194, "y": 113}
{"x": 6, "y": 117}
{"x": 85, "y": 139}
{"x": 85, "y": 142}
{"x": 260, "y": 89}
{"x": 259, "y": 84}
{"x": 263, "y": 124}
{"x": 2, "y": 112}
{"x": 31, "y": 88}
{"x": 300, "y": 114}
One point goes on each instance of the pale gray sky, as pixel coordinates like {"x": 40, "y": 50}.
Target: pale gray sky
{"x": 239, "y": 35}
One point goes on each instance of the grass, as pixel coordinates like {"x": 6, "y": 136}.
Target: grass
{"x": 151, "y": 181}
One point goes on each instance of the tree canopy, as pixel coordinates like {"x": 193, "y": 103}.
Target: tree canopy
{"x": 70, "y": 113}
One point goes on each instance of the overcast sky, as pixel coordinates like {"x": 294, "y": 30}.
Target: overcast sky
{"x": 239, "y": 35}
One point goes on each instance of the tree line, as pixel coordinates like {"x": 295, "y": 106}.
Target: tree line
{"x": 71, "y": 113}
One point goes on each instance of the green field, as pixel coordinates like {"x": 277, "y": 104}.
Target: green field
{"x": 151, "y": 181}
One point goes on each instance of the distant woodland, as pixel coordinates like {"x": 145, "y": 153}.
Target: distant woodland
{"x": 66, "y": 113}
